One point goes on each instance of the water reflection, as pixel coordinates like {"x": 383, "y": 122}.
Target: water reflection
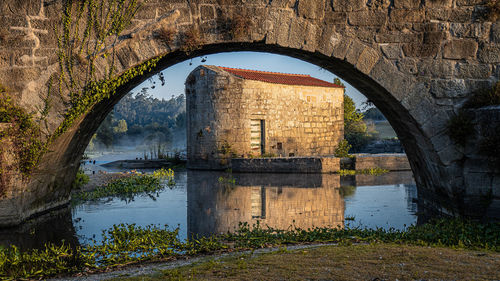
{"x": 54, "y": 227}
{"x": 204, "y": 203}
{"x": 304, "y": 200}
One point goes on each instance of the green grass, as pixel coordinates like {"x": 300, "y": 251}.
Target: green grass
{"x": 347, "y": 262}
{"x": 127, "y": 244}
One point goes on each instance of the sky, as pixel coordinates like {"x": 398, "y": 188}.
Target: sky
{"x": 175, "y": 76}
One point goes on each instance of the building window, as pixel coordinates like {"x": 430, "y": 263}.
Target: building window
{"x": 279, "y": 145}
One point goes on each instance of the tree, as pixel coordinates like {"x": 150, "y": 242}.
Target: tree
{"x": 121, "y": 127}
{"x": 105, "y": 131}
{"x": 355, "y": 129}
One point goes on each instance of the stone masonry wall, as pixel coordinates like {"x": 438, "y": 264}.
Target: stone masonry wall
{"x": 299, "y": 120}
{"x": 417, "y": 61}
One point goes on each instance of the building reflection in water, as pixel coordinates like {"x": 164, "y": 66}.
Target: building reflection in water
{"x": 276, "y": 200}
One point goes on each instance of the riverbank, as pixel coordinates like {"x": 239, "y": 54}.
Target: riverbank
{"x": 128, "y": 245}
{"x": 328, "y": 262}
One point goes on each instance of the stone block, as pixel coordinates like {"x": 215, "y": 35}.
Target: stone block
{"x": 354, "y": 51}
{"x": 448, "y": 88}
{"x": 406, "y": 15}
{"x": 311, "y": 9}
{"x": 489, "y": 53}
{"x": 472, "y": 70}
{"x": 341, "y": 48}
{"x": 391, "y": 78}
{"x": 367, "y": 18}
{"x": 421, "y": 50}
{"x": 495, "y": 32}
{"x": 407, "y": 65}
{"x": 433, "y": 68}
{"x": 460, "y": 49}
{"x": 470, "y": 30}
{"x": 367, "y": 60}
{"x": 406, "y": 4}
{"x": 391, "y": 51}
{"x": 437, "y": 14}
{"x": 438, "y": 3}
{"x": 469, "y": 2}
{"x": 348, "y": 5}
{"x": 461, "y": 14}
{"x": 398, "y": 37}
{"x": 207, "y": 12}
{"x": 433, "y": 37}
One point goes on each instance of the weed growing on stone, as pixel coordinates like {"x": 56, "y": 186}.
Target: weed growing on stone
{"x": 166, "y": 34}
{"x": 371, "y": 171}
{"x": 127, "y": 244}
{"x": 23, "y": 132}
{"x": 342, "y": 150}
{"x": 191, "y": 40}
{"x": 240, "y": 25}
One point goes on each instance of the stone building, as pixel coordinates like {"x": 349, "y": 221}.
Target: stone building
{"x": 246, "y": 113}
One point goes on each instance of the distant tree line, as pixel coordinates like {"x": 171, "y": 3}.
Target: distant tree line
{"x": 141, "y": 119}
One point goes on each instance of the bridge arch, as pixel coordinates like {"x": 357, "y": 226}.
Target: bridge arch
{"x": 404, "y": 57}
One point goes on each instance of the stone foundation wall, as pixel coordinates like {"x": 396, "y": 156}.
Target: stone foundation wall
{"x": 286, "y": 165}
{"x": 391, "y": 162}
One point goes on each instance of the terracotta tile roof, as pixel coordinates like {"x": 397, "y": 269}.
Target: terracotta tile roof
{"x": 279, "y": 78}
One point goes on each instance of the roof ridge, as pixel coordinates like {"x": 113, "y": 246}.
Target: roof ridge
{"x": 260, "y": 71}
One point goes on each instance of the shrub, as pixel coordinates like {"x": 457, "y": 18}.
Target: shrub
{"x": 460, "y": 127}
{"x": 81, "y": 179}
{"x": 342, "y": 149}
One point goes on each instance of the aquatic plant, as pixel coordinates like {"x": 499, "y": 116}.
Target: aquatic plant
{"x": 128, "y": 187}
{"x": 126, "y": 244}
{"x": 371, "y": 171}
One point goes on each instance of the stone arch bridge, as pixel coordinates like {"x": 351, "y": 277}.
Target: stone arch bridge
{"x": 417, "y": 61}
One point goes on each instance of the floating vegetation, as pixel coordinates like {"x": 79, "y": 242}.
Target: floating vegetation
{"x": 371, "y": 171}
{"x": 127, "y": 244}
{"x": 127, "y": 188}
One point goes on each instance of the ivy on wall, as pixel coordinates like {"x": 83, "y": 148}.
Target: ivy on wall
{"x": 23, "y": 132}
{"x": 89, "y": 30}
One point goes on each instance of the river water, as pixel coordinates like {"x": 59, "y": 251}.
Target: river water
{"x": 204, "y": 203}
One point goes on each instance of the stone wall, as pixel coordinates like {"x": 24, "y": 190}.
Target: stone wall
{"x": 298, "y": 120}
{"x": 417, "y": 61}
{"x": 391, "y": 162}
{"x": 286, "y": 165}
